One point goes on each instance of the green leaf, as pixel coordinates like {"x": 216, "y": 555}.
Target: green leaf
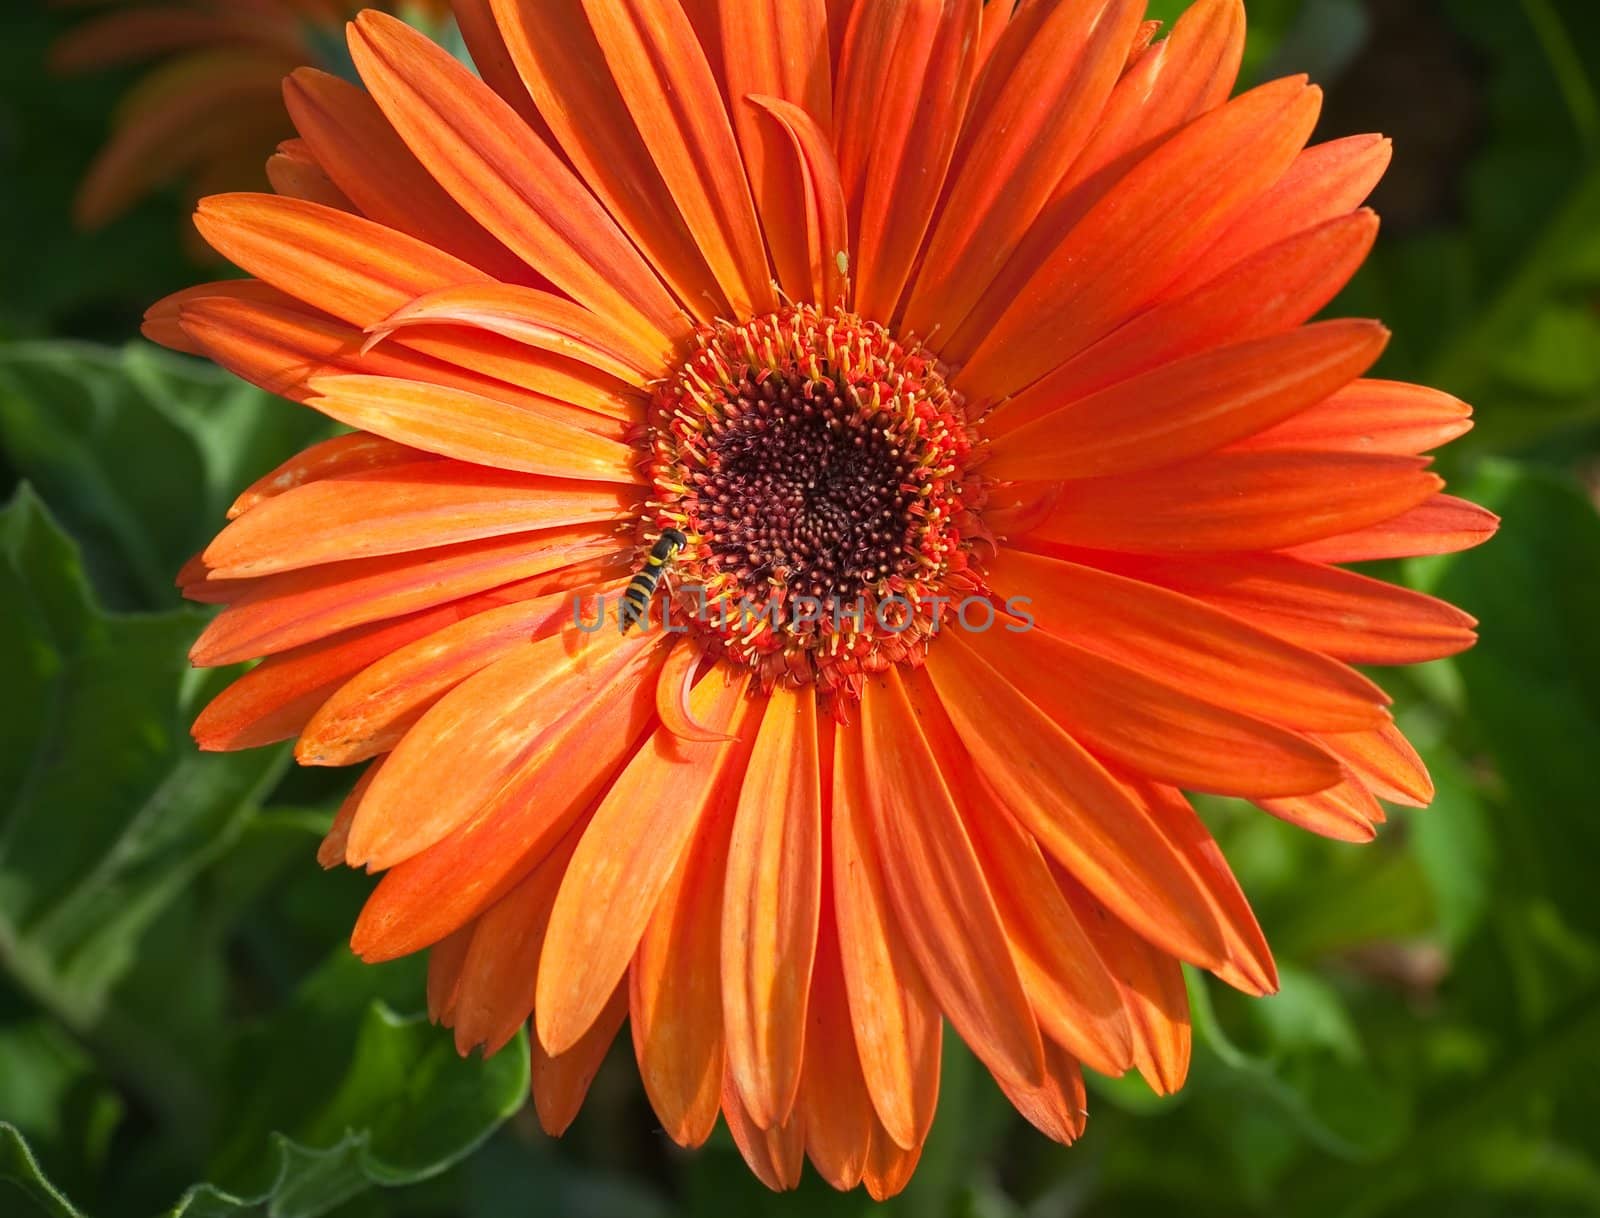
{"x": 23, "y": 1183}
{"x": 139, "y": 451}
{"x": 337, "y": 1093}
{"x": 109, "y": 811}
{"x": 1532, "y": 684}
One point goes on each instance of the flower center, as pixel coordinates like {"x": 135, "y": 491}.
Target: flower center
{"x": 818, "y": 468}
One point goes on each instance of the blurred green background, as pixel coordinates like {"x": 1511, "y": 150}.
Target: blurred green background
{"x": 182, "y": 1030}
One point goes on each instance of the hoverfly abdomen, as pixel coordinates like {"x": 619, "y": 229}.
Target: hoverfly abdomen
{"x": 635, "y": 603}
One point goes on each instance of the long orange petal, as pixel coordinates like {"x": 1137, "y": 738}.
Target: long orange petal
{"x": 675, "y": 988}
{"x": 1076, "y": 1001}
{"x": 777, "y": 51}
{"x": 401, "y": 508}
{"x": 770, "y": 908}
{"x": 1153, "y": 990}
{"x": 1306, "y": 272}
{"x": 538, "y": 319}
{"x": 1189, "y": 407}
{"x": 1325, "y": 181}
{"x": 1138, "y": 238}
{"x": 561, "y": 1083}
{"x": 562, "y": 68}
{"x": 628, "y": 856}
{"x": 1149, "y": 726}
{"x": 896, "y": 1023}
{"x": 1076, "y": 811}
{"x": 1350, "y": 617}
{"x": 661, "y": 70}
{"x": 346, "y": 454}
{"x": 563, "y": 770}
{"x": 282, "y": 611}
{"x": 1241, "y": 501}
{"x": 928, "y": 62}
{"x": 503, "y": 174}
{"x": 1187, "y": 645}
{"x": 936, "y": 883}
{"x": 1373, "y": 416}
{"x": 446, "y": 770}
{"x": 1059, "y": 1106}
{"x": 1346, "y": 812}
{"x": 472, "y": 427}
{"x": 1032, "y": 115}
{"x": 355, "y": 145}
{"x": 1440, "y": 524}
{"x": 775, "y": 1155}
{"x": 370, "y": 713}
{"x": 826, "y": 222}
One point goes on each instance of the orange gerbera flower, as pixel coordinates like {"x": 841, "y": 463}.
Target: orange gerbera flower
{"x": 212, "y": 110}
{"x": 954, "y": 363}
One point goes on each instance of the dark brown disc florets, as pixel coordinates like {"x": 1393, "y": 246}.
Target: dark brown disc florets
{"x": 819, "y": 468}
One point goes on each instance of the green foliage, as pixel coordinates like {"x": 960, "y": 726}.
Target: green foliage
{"x": 182, "y": 1032}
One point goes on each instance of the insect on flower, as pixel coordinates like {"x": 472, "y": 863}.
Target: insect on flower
{"x": 635, "y": 604}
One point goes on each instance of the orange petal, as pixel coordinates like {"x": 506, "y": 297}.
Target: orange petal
{"x": 346, "y": 454}
{"x": 1072, "y": 807}
{"x": 1059, "y": 1106}
{"x": 283, "y": 611}
{"x": 925, "y": 54}
{"x": 675, "y": 988}
{"x": 776, "y": 51}
{"x": 1179, "y": 642}
{"x": 775, "y": 1155}
{"x": 1075, "y": 1000}
{"x": 889, "y": 1166}
{"x": 561, "y": 1083}
{"x": 426, "y": 898}
{"x": 537, "y": 319}
{"x": 1346, "y": 812}
{"x": 1385, "y": 761}
{"x": 834, "y": 1106}
{"x": 561, "y": 66}
{"x": 486, "y": 45}
{"x": 896, "y": 1023}
{"x": 628, "y": 856}
{"x": 370, "y": 713}
{"x": 1033, "y": 113}
{"x": 161, "y": 320}
{"x": 1139, "y": 237}
{"x": 495, "y": 993}
{"x": 1240, "y": 501}
{"x": 358, "y": 149}
{"x": 402, "y": 508}
{"x": 661, "y": 71}
{"x": 1151, "y": 727}
{"x": 674, "y": 703}
{"x": 447, "y": 768}
{"x": 499, "y": 170}
{"x": 445, "y": 960}
{"x": 770, "y": 908}
{"x": 1305, "y": 272}
{"x": 1183, "y": 76}
{"x": 1152, "y": 986}
{"x": 1351, "y": 617}
{"x": 280, "y": 346}
{"x": 330, "y": 853}
{"x": 1248, "y": 965}
{"x": 825, "y": 253}
{"x": 471, "y": 427}
{"x": 1325, "y": 181}
{"x": 1189, "y": 407}
{"x": 1440, "y": 524}
{"x": 1373, "y": 417}
{"x": 349, "y": 266}
{"x": 938, "y": 888}
{"x": 295, "y": 173}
